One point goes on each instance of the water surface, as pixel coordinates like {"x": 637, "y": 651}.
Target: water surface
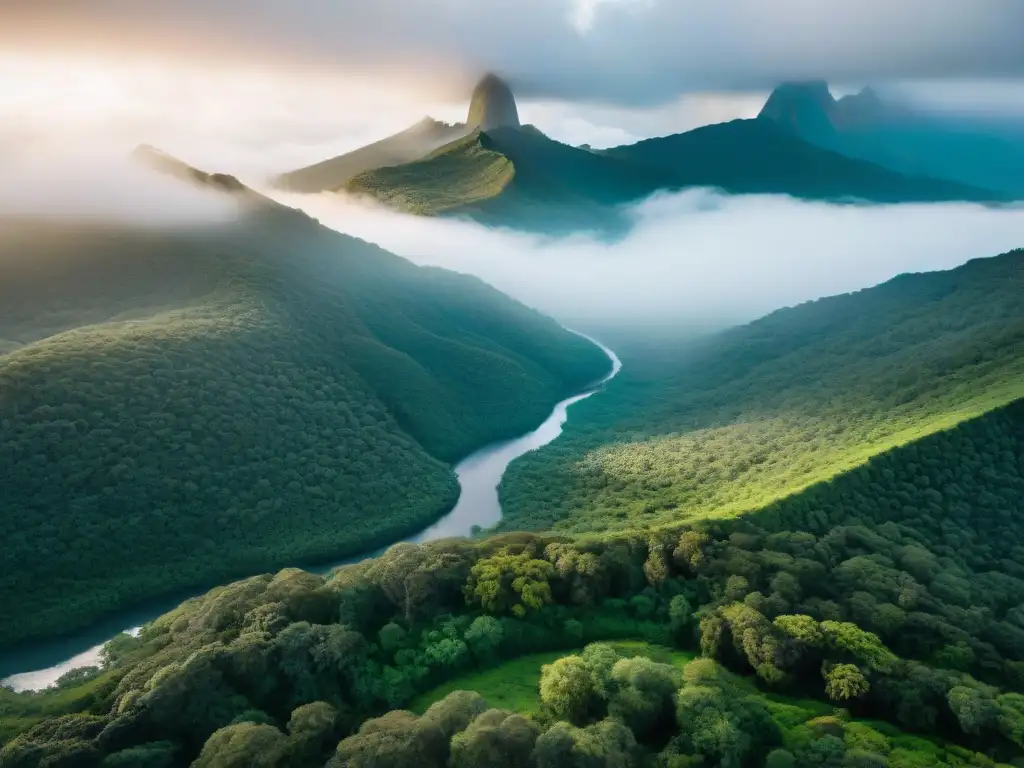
{"x": 479, "y": 476}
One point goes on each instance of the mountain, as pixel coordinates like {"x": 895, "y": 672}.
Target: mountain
{"x": 753, "y": 414}
{"x": 403, "y": 147}
{"x": 970, "y": 150}
{"x": 496, "y": 171}
{"x": 763, "y": 157}
{"x": 492, "y": 105}
{"x": 515, "y": 177}
{"x": 804, "y": 109}
{"x": 181, "y": 405}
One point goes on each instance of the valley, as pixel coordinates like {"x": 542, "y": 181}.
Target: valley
{"x": 39, "y": 665}
{"x": 725, "y": 426}
{"x": 518, "y": 385}
{"x": 270, "y": 408}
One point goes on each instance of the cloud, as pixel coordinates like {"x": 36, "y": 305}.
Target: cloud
{"x": 107, "y": 186}
{"x": 257, "y": 123}
{"x": 624, "y": 52}
{"x": 694, "y": 260}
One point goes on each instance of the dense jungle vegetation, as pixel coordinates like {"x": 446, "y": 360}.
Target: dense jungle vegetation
{"x": 182, "y": 407}
{"x": 764, "y": 410}
{"x": 873, "y": 620}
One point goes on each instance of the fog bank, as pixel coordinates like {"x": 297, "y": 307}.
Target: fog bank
{"x": 47, "y": 180}
{"x": 696, "y": 259}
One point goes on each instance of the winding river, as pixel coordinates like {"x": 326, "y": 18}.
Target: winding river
{"x": 479, "y": 474}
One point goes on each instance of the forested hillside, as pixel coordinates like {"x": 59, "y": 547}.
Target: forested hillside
{"x": 183, "y": 406}
{"x": 875, "y": 620}
{"x": 515, "y": 177}
{"x": 518, "y": 177}
{"x": 764, "y": 410}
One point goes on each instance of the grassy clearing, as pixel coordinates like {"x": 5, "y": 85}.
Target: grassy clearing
{"x": 514, "y": 684}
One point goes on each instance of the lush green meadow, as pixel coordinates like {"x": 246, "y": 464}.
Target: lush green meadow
{"x": 803, "y": 723}
{"x": 514, "y": 684}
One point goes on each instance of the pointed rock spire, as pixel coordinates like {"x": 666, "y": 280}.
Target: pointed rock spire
{"x": 492, "y": 105}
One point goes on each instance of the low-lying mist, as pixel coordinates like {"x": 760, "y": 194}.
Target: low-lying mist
{"x": 695, "y": 260}
{"x": 103, "y": 186}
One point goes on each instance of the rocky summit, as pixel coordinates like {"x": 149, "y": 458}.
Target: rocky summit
{"x": 493, "y": 105}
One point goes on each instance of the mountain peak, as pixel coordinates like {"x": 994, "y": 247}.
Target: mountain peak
{"x": 863, "y": 108}
{"x": 801, "y": 96}
{"x": 805, "y": 108}
{"x": 492, "y": 105}
{"x": 160, "y": 161}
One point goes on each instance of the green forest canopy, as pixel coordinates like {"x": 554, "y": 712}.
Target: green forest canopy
{"x": 181, "y": 407}
{"x": 875, "y": 620}
{"x": 767, "y": 409}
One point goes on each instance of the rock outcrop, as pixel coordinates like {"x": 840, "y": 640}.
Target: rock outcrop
{"x": 493, "y": 105}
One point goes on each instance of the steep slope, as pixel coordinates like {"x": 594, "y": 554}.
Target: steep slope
{"x": 518, "y": 177}
{"x": 515, "y": 177}
{"x": 764, "y": 410}
{"x": 759, "y": 156}
{"x": 967, "y": 149}
{"x": 492, "y": 105}
{"x": 179, "y": 406}
{"x": 403, "y": 147}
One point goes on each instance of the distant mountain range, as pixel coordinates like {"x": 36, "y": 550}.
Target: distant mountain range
{"x": 497, "y": 171}
{"x": 971, "y": 150}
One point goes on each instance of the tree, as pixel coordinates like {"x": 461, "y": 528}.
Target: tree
{"x": 484, "y": 638}
{"x": 845, "y": 681}
{"x": 311, "y": 728}
{"x": 801, "y": 628}
{"x": 398, "y": 739}
{"x": 864, "y": 646}
{"x": 643, "y": 694}
{"x": 827, "y": 752}
{"x": 246, "y": 745}
{"x": 496, "y": 737}
{"x": 780, "y": 758}
{"x": 456, "y": 711}
{"x": 157, "y": 754}
{"x": 600, "y": 659}
{"x": 607, "y": 744}
{"x": 975, "y": 711}
{"x": 392, "y": 636}
{"x": 508, "y": 582}
{"x": 692, "y": 551}
{"x": 567, "y": 689}
{"x": 680, "y": 614}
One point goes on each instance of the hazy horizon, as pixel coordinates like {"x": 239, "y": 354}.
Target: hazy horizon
{"x": 255, "y": 92}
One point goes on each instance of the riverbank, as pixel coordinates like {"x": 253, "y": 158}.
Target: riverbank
{"x": 479, "y": 474}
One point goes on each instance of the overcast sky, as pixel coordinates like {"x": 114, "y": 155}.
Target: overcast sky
{"x": 618, "y": 51}
{"x": 257, "y": 87}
